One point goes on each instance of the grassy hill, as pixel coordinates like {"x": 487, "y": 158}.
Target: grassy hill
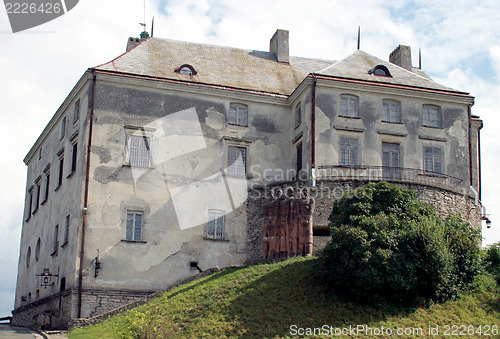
{"x": 279, "y": 300}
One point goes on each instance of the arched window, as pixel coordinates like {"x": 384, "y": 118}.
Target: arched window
{"x": 380, "y": 70}
{"x": 186, "y": 69}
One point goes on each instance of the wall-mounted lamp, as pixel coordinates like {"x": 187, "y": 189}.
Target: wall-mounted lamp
{"x": 488, "y": 223}
{"x": 97, "y": 265}
{"x": 46, "y": 277}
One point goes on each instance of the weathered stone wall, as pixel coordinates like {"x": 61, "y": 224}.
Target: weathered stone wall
{"x": 446, "y": 202}
{"x": 51, "y": 312}
{"x": 95, "y": 302}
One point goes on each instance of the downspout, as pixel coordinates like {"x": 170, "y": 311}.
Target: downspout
{"x": 313, "y": 131}
{"x": 471, "y": 184}
{"x": 86, "y": 197}
{"x": 479, "y": 161}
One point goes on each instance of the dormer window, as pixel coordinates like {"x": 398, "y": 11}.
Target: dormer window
{"x": 380, "y": 70}
{"x": 186, "y": 69}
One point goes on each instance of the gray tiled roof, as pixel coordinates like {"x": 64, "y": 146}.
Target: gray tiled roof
{"x": 250, "y": 69}
{"x": 357, "y": 65}
{"x": 234, "y": 67}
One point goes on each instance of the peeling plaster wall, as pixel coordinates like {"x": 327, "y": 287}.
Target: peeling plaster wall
{"x": 173, "y": 237}
{"x": 412, "y": 137}
{"x": 63, "y": 200}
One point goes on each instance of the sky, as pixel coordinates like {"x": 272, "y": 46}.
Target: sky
{"x": 459, "y": 40}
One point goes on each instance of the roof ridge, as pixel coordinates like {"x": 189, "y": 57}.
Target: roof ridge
{"x": 126, "y": 52}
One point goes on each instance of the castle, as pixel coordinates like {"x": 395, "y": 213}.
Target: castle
{"x": 158, "y": 164}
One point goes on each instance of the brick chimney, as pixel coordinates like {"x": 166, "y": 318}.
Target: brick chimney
{"x": 401, "y": 56}
{"x": 279, "y": 45}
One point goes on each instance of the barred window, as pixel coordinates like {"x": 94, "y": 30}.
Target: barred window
{"x": 215, "y": 229}
{"x": 392, "y": 111}
{"x": 349, "y": 106}
{"x": 298, "y": 149}
{"x": 134, "y": 226}
{"x": 66, "y": 229}
{"x": 139, "y": 151}
{"x": 349, "y": 151}
{"x": 238, "y": 115}
{"x": 74, "y": 155}
{"x": 431, "y": 116}
{"x": 237, "y": 161}
{"x": 433, "y": 160}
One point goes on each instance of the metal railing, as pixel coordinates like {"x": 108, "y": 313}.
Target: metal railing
{"x": 392, "y": 174}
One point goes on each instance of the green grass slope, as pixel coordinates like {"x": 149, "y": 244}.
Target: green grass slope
{"x": 285, "y": 299}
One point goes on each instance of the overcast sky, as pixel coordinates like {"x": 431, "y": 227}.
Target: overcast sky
{"x": 460, "y": 42}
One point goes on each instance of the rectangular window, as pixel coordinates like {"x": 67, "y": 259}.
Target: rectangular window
{"x": 56, "y": 238}
{"x": 134, "y": 226}
{"x": 390, "y": 161}
{"x": 433, "y": 160}
{"x": 392, "y": 111}
{"x": 61, "y": 170}
{"x": 215, "y": 227}
{"x": 237, "y": 161}
{"x": 431, "y": 116}
{"x": 76, "y": 111}
{"x": 63, "y": 128}
{"x": 74, "y": 155}
{"x": 298, "y": 149}
{"x": 349, "y": 106}
{"x": 139, "y": 151}
{"x": 298, "y": 114}
{"x": 30, "y": 206}
{"x": 47, "y": 186}
{"x": 66, "y": 229}
{"x": 349, "y": 151}
{"x": 238, "y": 115}
{"x": 37, "y": 201}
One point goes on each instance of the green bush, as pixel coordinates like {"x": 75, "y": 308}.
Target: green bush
{"x": 492, "y": 260}
{"x": 387, "y": 247}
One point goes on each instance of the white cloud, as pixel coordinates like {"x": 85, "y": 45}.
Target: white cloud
{"x": 41, "y": 66}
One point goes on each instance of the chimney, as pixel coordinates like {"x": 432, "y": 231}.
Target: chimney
{"x": 279, "y": 45}
{"x": 401, "y": 56}
{"x": 132, "y": 42}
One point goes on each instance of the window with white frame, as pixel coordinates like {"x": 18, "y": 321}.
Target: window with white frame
{"x": 215, "y": 226}
{"x": 349, "y": 151}
{"x": 238, "y": 115}
{"x": 349, "y": 106}
{"x": 392, "y": 111}
{"x": 139, "y": 150}
{"x": 134, "y": 226}
{"x": 433, "y": 160}
{"x": 237, "y": 161}
{"x": 431, "y": 116}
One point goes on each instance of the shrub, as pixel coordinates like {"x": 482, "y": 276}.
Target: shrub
{"x": 492, "y": 260}
{"x": 387, "y": 247}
